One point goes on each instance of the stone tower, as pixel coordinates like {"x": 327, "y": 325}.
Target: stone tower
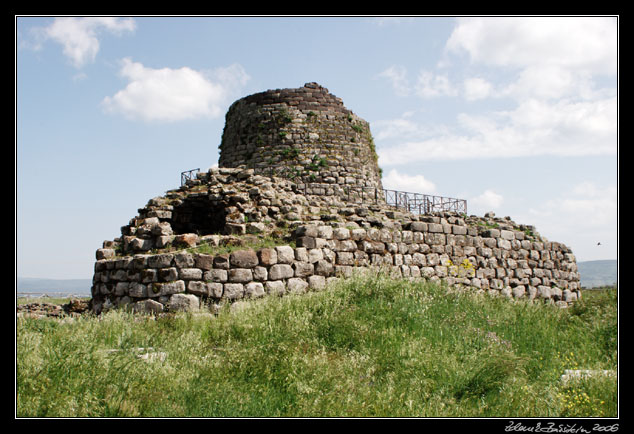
{"x": 306, "y": 135}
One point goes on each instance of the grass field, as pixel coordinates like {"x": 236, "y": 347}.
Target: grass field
{"x": 369, "y": 346}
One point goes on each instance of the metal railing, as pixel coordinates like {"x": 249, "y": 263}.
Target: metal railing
{"x": 416, "y": 203}
{"x": 188, "y": 175}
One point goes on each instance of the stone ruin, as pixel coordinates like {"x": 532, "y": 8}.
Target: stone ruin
{"x": 296, "y": 203}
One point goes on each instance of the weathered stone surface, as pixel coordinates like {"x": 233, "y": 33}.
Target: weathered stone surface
{"x": 184, "y": 260}
{"x": 186, "y": 240}
{"x": 105, "y": 253}
{"x": 184, "y": 303}
{"x": 244, "y": 259}
{"x": 204, "y": 262}
{"x": 280, "y": 271}
{"x": 285, "y": 255}
{"x": 267, "y": 257}
{"x": 303, "y": 269}
{"x": 275, "y": 287}
{"x": 296, "y": 285}
{"x": 148, "y": 306}
{"x": 162, "y": 260}
{"x": 240, "y": 275}
{"x": 254, "y": 289}
{"x": 233, "y": 291}
{"x": 190, "y": 273}
{"x": 169, "y": 288}
{"x": 198, "y": 288}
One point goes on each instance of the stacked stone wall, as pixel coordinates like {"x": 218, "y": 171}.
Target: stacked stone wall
{"x": 498, "y": 261}
{"x": 303, "y": 134}
{"x": 299, "y": 173}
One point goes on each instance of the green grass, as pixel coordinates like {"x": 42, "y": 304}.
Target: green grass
{"x": 369, "y": 346}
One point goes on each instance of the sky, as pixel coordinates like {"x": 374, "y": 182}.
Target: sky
{"x": 516, "y": 114}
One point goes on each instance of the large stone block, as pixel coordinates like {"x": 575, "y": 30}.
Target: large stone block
{"x": 280, "y": 271}
{"x": 183, "y": 303}
{"x": 244, "y": 259}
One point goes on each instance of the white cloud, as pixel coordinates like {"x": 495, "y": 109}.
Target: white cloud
{"x": 78, "y": 36}
{"x": 430, "y": 85}
{"x": 477, "y": 88}
{"x": 487, "y": 201}
{"x": 427, "y": 84}
{"x": 402, "y": 182}
{"x": 173, "y": 94}
{"x": 397, "y": 75}
{"x": 582, "y": 43}
{"x": 581, "y": 217}
{"x": 533, "y": 128}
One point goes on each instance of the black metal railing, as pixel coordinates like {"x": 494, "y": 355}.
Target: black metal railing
{"x": 416, "y": 203}
{"x": 188, "y": 175}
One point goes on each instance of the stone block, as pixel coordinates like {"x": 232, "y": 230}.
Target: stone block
{"x": 303, "y": 269}
{"x": 186, "y": 240}
{"x": 244, "y": 259}
{"x": 168, "y": 274}
{"x": 341, "y": 233}
{"x": 204, "y": 262}
{"x": 184, "y": 260}
{"x": 260, "y": 273}
{"x": 240, "y": 275}
{"x": 281, "y": 271}
{"x": 169, "y": 288}
{"x": 233, "y": 291}
{"x": 254, "y": 290}
{"x": 183, "y": 303}
{"x": 435, "y": 228}
{"x": 198, "y": 288}
{"x": 296, "y": 285}
{"x": 267, "y": 257}
{"x": 221, "y": 262}
{"x": 190, "y": 273}
{"x": 215, "y": 289}
{"x": 163, "y": 260}
{"x": 285, "y": 255}
{"x": 275, "y": 287}
{"x": 307, "y": 242}
{"x": 316, "y": 282}
{"x": 148, "y": 307}
{"x": 138, "y": 290}
{"x": 324, "y": 232}
{"x": 105, "y": 253}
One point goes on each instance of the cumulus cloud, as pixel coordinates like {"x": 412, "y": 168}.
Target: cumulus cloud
{"x": 168, "y": 94}
{"x": 487, "y": 201}
{"x": 79, "y": 36}
{"x": 430, "y": 85}
{"x": 477, "y": 88}
{"x": 582, "y": 43}
{"x": 587, "y": 214}
{"x": 554, "y": 85}
{"x": 411, "y": 183}
{"x": 560, "y": 128}
{"x": 426, "y": 85}
{"x": 397, "y": 76}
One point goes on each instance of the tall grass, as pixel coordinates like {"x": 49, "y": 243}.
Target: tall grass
{"x": 369, "y": 346}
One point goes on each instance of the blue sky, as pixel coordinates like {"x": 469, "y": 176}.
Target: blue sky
{"x": 518, "y": 115}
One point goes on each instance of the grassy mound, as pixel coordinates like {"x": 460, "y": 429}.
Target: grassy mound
{"x": 369, "y": 346}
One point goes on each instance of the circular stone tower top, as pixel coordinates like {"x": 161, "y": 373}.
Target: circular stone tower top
{"x": 303, "y": 134}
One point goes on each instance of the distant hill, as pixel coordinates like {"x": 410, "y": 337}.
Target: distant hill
{"x": 50, "y": 286}
{"x": 597, "y": 273}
